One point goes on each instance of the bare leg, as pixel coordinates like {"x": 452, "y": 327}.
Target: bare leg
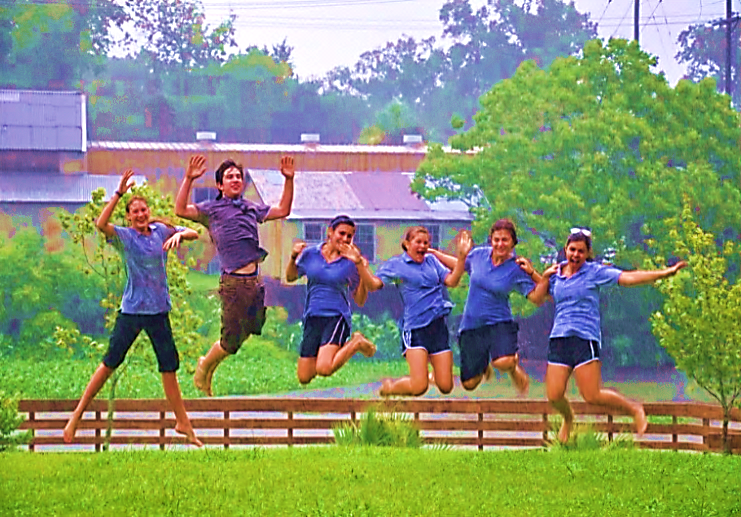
{"x": 306, "y": 369}
{"x": 98, "y": 379}
{"x": 175, "y": 398}
{"x": 333, "y": 357}
{"x": 589, "y": 381}
{"x": 417, "y": 381}
{"x": 442, "y": 368}
{"x": 556, "y": 379}
{"x": 206, "y": 366}
{"x": 511, "y": 365}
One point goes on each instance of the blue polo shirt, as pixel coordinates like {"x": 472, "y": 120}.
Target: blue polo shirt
{"x": 232, "y": 224}
{"x": 422, "y": 288}
{"x": 146, "y": 290}
{"x": 489, "y": 289}
{"x": 329, "y": 283}
{"x": 577, "y": 300}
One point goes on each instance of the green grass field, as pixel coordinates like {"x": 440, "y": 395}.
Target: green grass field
{"x": 367, "y": 481}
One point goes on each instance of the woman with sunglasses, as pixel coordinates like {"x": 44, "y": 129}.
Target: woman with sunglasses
{"x": 574, "y": 345}
{"x": 333, "y": 269}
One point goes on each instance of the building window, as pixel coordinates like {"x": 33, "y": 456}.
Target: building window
{"x": 314, "y": 233}
{"x": 434, "y": 230}
{"x": 365, "y": 240}
{"x": 201, "y": 194}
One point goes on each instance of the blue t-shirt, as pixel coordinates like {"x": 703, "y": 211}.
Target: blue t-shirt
{"x": 146, "y": 289}
{"x": 422, "y": 288}
{"x": 488, "y": 293}
{"x": 329, "y": 283}
{"x": 232, "y": 224}
{"x": 577, "y": 300}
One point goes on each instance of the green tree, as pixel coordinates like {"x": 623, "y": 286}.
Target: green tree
{"x": 598, "y": 141}
{"x": 702, "y": 47}
{"x": 700, "y": 322}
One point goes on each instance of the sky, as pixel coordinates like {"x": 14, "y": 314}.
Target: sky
{"x": 329, "y": 33}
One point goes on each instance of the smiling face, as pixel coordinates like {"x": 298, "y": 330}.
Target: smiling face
{"x": 502, "y": 245}
{"x": 232, "y": 183}
{"x": 417, "y": 245}
{"x": 138, "y": 215}
{"x": 577, "y": 252}
{"x": 342, "y": 234}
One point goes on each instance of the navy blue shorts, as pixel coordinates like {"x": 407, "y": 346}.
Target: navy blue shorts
{"x": 157, "y": 327}
{"x": 433, "y": 338}
{"x": 323, "y": 330}
{"x": 572, "y": 351}
{"x": 482, "y": 345}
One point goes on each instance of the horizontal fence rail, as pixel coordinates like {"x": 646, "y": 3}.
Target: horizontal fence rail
{"x": 228, "y": 422}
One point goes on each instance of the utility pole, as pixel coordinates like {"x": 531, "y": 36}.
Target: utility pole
{"x": 729, "y": 54}
{"x": 636, "y": 18}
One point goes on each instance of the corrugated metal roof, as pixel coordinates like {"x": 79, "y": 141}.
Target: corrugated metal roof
{"x": 43, "y": 187}
{"x": 361, "y": 195}
{"x": 33, "y": 120}
{"x": 246, "y": 148}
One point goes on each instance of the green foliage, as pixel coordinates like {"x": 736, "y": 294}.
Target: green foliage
{"x": 700, "y": 322}
{"x": 277, "y": 329}
{"x": 10, "y": 420}
{"x": 379, "y": 429}
{"x": 384, "y": 333}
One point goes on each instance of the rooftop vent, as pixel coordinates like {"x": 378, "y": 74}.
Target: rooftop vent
{"x": 310, "y": 138}
{"x": 206, "y": 136}
{"x": 413, "y": 140}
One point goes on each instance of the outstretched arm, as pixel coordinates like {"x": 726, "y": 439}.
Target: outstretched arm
{"x": 464, "y": 246}
{"x": 196, "y": 169}
{"x": 102, "y": 222}
{"x": 291, "y": 268}
{"x": 449, "y": 261}
{"x": 633, "y": 278}
{"x": 283, "y": 209}
{"x": 539, "y": 294}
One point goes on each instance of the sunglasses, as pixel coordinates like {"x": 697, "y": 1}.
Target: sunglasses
{"x": 584, "y": 231}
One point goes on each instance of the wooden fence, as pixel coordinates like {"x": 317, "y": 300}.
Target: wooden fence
{"x": 228, "y": 422}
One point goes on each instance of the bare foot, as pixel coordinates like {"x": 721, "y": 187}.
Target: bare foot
{"x": 70, "y": 429}
{"x": 521, "y": 381}
{"x": 189, "y": 434}
{"x": 488, "y": 373}
{"x": 565, "y": 431}
{"x": 385, "y": 390}
{"x": 201, "y": 378}
{"x": 640, "y": 420}
{"x": 366, "y": 348}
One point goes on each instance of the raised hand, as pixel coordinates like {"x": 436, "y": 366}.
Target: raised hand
{"x": 465, "y": 243}
{"x": 297, "y": 248}
{"x": 196, "y": 166}
{"x": 126, "y": 181}
{"x": 286, "y": 167}
{"x": 676, "y": 267}
{"x": 550, "y": 271}
{"x": 351, "y": 252}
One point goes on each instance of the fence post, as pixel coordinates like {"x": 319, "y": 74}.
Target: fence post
{"x": 227, "y": 428}
{"x": 706, "y": 428}
{"x": 609, "y": 427}
{"x": 545, "y": 430}
{"x": 162, "y": 430}
{"x": 98, "y": 420}
{"x": 481, "y": 432}
{"x": 31, "y": 418}
{"x": 675, "y": 437}
{"x": 290, "y": 428}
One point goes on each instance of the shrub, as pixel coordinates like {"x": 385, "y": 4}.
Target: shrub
{"x": 384, "y": 333}
{"x": 286, "y": 335}
{"x": 10, "y": 420}
{"x": 380, "y": 429}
